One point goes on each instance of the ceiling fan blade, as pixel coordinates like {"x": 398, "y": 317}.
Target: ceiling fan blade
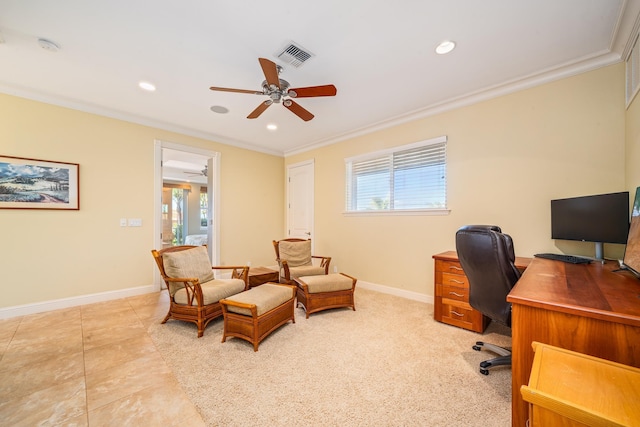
{"x": 307, "y": 92}
{"x": 226, "y": 89}
{"x": 256, "y": 113}
{"x": 270, "y": 71}
{"x": 296, "y": 109}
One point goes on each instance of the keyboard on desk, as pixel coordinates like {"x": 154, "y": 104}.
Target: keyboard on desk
{"x": 564, "y": 258}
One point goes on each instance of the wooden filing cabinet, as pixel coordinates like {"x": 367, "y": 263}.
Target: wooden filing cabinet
{"x": 451, "y": 295}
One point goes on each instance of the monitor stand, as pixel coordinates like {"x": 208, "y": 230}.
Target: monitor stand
{"x": 599, "y": 251}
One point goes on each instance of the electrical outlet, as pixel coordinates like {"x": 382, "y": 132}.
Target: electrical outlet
{"x": 335, "y": 268}
{"x": 248, "y": 263}
{"x": 123, "y": 222}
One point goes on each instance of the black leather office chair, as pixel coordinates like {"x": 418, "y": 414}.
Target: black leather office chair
{"x": 488, "y": 260}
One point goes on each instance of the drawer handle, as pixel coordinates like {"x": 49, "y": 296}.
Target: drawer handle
{"x": 453, "y": 267}
{"x": 456, "y": 281}
{"x": 456, "y": 313}
{"x": 456, "y": 294}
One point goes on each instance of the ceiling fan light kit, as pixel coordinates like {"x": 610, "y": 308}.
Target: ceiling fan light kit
{"x": 278, "y": 91}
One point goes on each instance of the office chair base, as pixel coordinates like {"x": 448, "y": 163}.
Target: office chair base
{"x": 504, "y": 358}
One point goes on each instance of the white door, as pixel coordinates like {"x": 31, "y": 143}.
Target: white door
{"x": 300, "y": 200}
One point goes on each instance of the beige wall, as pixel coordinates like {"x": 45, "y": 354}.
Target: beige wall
{"x": 632, "y": 157}
{"x": 507, "y": 158}
{"x": 48, "y": 255}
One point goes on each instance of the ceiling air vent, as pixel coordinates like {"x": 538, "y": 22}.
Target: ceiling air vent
{"x": 294, "y": 54}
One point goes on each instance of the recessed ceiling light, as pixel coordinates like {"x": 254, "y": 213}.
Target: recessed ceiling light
{"x": 272, "y": 126}
{"x": 445, "y": 47}
{"x": 219, "y": 109}
{"x": 147, "y": 86}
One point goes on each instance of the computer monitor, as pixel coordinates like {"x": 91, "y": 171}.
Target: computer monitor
{"x": 601, "y": 218}
{"x": 631, "y": 259}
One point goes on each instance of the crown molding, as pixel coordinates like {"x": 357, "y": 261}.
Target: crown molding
{"x": 61, "y": 101}
{"x": 580, "y": 66}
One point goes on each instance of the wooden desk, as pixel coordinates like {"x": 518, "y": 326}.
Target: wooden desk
{"x": 585, "y": 308}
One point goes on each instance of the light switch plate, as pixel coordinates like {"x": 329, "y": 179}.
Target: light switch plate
{"x": 135, "y": 222}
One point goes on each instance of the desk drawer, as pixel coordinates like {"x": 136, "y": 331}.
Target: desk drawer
{"x": 452, "y": 267}
{"x": 457, "y": 315}
{"x": 456, "y": 280}
{"x": 455, "y": 293}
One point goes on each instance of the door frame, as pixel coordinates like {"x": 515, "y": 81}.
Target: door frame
{"x": 213, "y": 185}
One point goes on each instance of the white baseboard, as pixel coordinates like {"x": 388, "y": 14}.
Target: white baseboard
{"x": 395, "y": 291}
{"x": 39, "y": 307}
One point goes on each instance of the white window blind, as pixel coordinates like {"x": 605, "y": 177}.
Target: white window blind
{"x": 410, "y": 177}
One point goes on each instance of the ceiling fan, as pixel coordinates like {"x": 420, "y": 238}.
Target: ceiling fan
{"x": 279, "y": 90}
{"x": 203, "y": 172}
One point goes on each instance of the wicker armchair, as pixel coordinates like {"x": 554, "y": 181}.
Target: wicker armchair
{"x": 295, "y": 260}
{"x": 194, "y": 292}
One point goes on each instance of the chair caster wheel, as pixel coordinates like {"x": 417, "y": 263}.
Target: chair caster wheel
{"x": 484, "y": 371}
{"x": 477, "y": 348}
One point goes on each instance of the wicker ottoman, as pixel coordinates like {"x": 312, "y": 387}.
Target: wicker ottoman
{"x": 252, "y": 315}
{"x": 317, "y": 293}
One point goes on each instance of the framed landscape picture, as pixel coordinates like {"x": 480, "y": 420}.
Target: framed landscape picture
{"x": 38, "y": 184}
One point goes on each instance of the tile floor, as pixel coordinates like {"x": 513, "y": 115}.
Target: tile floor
{"x": 93, "y": 365}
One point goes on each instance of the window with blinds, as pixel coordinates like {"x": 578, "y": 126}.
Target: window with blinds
{"x": 410, "y": 177}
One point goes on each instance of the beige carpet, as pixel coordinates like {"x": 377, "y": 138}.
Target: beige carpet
{"x": 386, "y": 364}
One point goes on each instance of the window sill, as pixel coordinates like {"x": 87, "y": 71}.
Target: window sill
{"x": 425, "y": 212}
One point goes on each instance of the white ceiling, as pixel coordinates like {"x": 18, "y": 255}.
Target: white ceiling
{"x": 379, "y": 54}
{"x": 183, "y": 166}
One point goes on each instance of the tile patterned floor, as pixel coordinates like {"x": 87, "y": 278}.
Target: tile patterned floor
{"x": 93, "y": 365}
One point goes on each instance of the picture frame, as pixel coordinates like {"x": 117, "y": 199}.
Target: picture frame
{"x": 38, "y": 184}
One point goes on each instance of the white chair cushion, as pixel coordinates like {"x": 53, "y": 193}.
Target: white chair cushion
{"x": 213, "y": 291}
{"x": 327, "y": 283}
{"x": 295, "y": 253}
{"x": 190, "y": 263}
{"x": 265, "y": 297}
{"x": 309, "y": 270}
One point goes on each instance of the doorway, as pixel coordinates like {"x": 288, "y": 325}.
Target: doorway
{"x": 186, "y": 198}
